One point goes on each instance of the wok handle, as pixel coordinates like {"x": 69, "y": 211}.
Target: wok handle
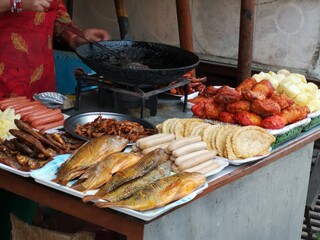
{"x": 123, "y": 20}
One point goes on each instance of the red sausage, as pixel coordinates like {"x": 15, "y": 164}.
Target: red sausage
{"x": 13, "y": 99}
{"x": 13, "y": 104}
{"x": 26, "y": 105}
{"x": 31, "y": 105}
{"x": 51, "y": 125}
{"x": 33, "y": 111}
{"x": 49, "y": 112}
{"x": 47, "y": 119}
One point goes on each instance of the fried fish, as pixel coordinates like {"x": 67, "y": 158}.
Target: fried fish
{"x": 160, "y": 192}
{"x": 88, "y": 154}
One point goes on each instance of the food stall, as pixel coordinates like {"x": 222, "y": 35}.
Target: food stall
{"x": 254, "y": 198}
{"x": 264, "y": 199}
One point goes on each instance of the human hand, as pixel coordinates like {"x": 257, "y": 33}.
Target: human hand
{"x": 92, "y": 34}
{"x": 35, "y": 5}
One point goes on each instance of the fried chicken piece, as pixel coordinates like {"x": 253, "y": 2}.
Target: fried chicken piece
{"x": 246, "y": 84}
{"x": 227, "y": 95}
{"x": 198, "y": 98}
{"x": 260, "y": 91}
{"x": 273, "y": 122}
{"x": 209, "y": 91}
{"x": 213, "y": 109}
{"x": 227, "y": 117}
{"x": 294, "y": 114}
{"x": 265, "y": 108}
{"x": 238, "y": 106}
{"x": 248, "y": 118}
{"x": 283, "y": 100}
{"x": 198, "y": 109}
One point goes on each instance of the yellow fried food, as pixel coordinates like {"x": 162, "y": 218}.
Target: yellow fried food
{"x": 251, "y": 141}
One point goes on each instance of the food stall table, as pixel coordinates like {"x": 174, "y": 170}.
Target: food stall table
{"x": 260, "y": 200}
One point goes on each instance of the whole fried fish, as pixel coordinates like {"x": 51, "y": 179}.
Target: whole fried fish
{"x": 101, "y": 172}
{"x": 160, "y": 192}
{"x": 128, "y": 189}
{"x": 88, "y": 154}
{"x": 145, "y": 165}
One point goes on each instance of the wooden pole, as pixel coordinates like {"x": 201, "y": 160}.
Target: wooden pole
{"x": 184, "y": 24}
{"x": 245, "y": 39}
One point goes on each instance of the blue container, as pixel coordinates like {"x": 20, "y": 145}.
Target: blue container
{"x": 65, "y": 63}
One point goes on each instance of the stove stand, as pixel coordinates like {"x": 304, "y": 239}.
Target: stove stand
{"x": 142, "y": 94}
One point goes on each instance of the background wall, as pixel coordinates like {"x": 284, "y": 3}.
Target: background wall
{"x": 287, "y": 32}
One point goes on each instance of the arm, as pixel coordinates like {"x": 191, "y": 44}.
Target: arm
{"x": 73, "y": 40}
{"x": 26, "y": 5}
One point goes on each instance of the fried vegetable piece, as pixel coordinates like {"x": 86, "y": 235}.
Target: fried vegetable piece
{"x": 248, "y": 118}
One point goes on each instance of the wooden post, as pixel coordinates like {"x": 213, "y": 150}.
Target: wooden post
{"x": 184, "y": 24}
{"x": 245, "y": 39}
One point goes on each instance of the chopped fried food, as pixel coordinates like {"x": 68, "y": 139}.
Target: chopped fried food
{"x": 109, "y": 126}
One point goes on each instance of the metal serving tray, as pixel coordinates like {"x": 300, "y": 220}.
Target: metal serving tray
{"x": 71, "y": 122}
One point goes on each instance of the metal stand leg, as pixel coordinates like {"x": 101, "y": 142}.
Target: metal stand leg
{"x": 185, "y": 88}
{"x": 78, "y": 91}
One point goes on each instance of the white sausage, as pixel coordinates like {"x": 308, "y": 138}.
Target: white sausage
{"x": 204, "y": 168}
{"x": 135, "y": 148}
{"x": 155, "y": 140}
{"x": 193, "y": 147}
{"x": 197, "y": 160}
{"x": 150, "y": 149}
{"x": 183, "y": 141}
{"x": 188, "y": 156}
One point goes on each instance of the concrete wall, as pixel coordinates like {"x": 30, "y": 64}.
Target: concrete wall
{"x": 287, "y": 32}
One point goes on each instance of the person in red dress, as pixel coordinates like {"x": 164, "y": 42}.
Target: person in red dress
{"x": 27, "y": 29}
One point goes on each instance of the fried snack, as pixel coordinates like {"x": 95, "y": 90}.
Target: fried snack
{"x": 208, "y": 134}
{"x": 238, "y": 106}
{"x": 265, "y": 108}
{"x": 179, "y": 129}
{"x": 213, "y": 137}
{"x": 166, "y": 125}
{"x": 260, "y": 91}
{"x": 227, "y": 117}
{"x": 251, "y": 141}
{"x": 294, "y": 114}
{"x": 273, "y": 122}
{"x": 159, "y": 127}
{"x": 248, "y": 84}
{"x": 189, "y": 124}
{"x": 229, "y": 153}
{"x": 198, "y": 129}
{"x": 248, "y": 118}
{"x": 283, "y": 100}
{"x": 221, "y": 137}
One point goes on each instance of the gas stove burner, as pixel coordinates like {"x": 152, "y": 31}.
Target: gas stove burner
{"x": 126, "y": 96}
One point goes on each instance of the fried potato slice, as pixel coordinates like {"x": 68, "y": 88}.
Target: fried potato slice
{"x": 251, "y": 141}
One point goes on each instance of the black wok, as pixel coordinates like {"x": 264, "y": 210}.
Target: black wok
{"x": 166, "y": 63}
